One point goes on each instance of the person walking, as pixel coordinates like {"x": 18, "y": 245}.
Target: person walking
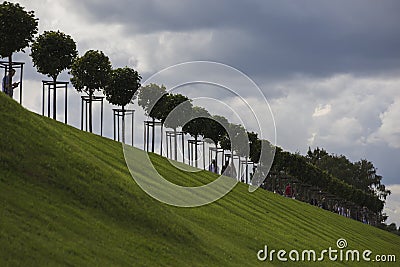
{"x": 288, "y": 190}
{"x": 7, "y": 88}
{"x": 213, "y": 167}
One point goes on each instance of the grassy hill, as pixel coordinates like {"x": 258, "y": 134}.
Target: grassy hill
{"x": 67, "y": 198}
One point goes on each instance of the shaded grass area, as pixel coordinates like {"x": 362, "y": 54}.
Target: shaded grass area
{"x": 67, "y": 198}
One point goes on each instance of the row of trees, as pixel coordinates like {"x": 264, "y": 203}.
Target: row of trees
{"x": 308, "y": 173}
{"x": 53, "y": 52}
{"x": 390, "y": 228}
{"x": 93, "y": 72}
{"x": 361, "y": 174}
{"x": 176, "y": 110}
{"x": 364, "y": 187}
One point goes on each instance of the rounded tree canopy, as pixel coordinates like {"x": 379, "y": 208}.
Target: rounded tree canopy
{"x": 176, "y": 110}
{"x": 52, "y": 52}
{"x": 17, "y": 28}
{"x": 235, "y": 139}
{"x": 195, "y": 127}
{"x": 255, "y": 147}
{"x": 152, "y": 98}
{"x": 215, "y": 128}
{"x": 91, "y": 72}
{"x": 124, "y": 83}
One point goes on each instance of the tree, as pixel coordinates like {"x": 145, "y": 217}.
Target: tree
{"x": 306, "y": 172}
{"x": 235, "y": 139}
{"x": 176, "y": 118}
{"x": 214, "y": 129}
{"x": 392, "y": 228}
{"x": 120, "y": 91}
{"x": 17, "y": 30}
{"x": 263, "y": 153}
{"x": 153, "y": 99}
{"x": 52, "y": 52}
{"x": 255, "y": 147}
{"x": 91, "y": 72}
{"x": 180, "y": 115}
{"x": 195, "y": 127}
{"x": 361, "y": 174}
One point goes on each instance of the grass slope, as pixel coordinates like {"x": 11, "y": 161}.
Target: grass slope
{"x": 67, "y": 198}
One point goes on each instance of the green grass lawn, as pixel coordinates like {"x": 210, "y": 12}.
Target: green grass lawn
{"x": 67, "y": 198}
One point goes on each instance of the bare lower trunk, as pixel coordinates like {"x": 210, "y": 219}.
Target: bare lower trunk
{"x": 161, "y": 139}
{"x": 123, "y": 124}
{"x": 90, "y": 110}
{"x": 153, "y": 135}
{"x": 54, "y": 97}
{"x": 216, "y": 156}
{"x": 9, "y": 85}
{"x": 176, "y": 145}
{"x": 233, "y": 174}
{"x": 195, "y": 151}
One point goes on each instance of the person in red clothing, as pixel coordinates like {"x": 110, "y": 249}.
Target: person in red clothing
{"x": 288, "y": 190}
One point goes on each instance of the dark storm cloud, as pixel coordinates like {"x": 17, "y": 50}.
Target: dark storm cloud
{"x": 273, "y": 38}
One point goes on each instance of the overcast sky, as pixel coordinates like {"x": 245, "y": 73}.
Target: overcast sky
{"x": 330, "y": 70}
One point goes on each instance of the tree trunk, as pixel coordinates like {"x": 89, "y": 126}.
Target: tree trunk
{"x": 216, "y": 157}
{"x": 54, "y": 97}
{"x": 123, "y": 124}
{"x": 195, "y": 151}
{"x": 9, "y": 85}
{"x": 175, "y": 145}
{"x": 90, "y": 110}
{"x": 232, "y": 166}
{"x": 161, "y": 139}
{"x": 153, "y": 135}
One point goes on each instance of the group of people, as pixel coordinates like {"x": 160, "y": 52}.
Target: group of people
{"x": 336, "y": 208}
{"x": 7, "y": 87}
{"x": 288, "y": 192}
{"x": 229, "y": 170}
{"x": 361, "y": 215}
{"x": 342, "y": 210}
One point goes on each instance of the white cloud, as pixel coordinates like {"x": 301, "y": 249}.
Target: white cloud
{"x": 354, "y": 112}
{"x": 311, "y": 140}
{"x": 321, "y": 110}
{"x": 392, "y": 208}
{"x": 342, "y": 132}
{"x": 389, "y": 131}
